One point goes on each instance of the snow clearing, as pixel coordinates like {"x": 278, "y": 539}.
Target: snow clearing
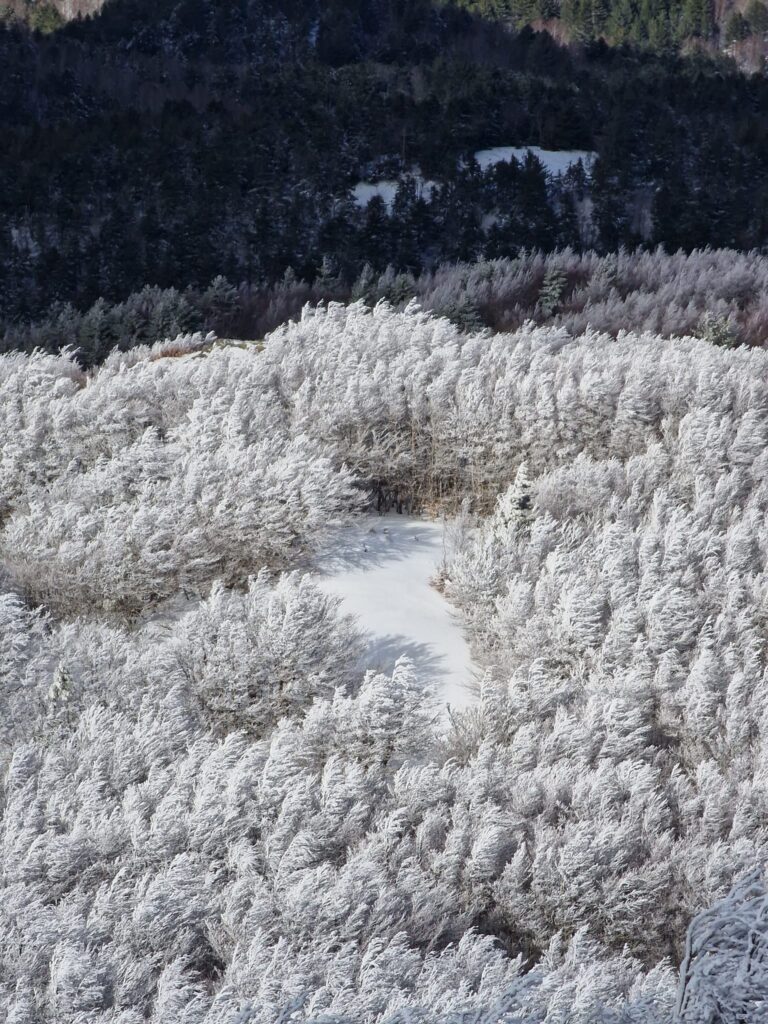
{"x": 383, "y": 568}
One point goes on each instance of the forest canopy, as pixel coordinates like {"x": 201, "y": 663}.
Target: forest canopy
{"x": 219, "y": 813}
{"x": 270, "y": 270}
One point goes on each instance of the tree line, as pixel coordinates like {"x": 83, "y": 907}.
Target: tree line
{"x": 718, "y": 295}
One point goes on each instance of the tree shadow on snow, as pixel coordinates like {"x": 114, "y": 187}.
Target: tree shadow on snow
{"x": 382, "y": 652}
{"x": 385, "y": 539}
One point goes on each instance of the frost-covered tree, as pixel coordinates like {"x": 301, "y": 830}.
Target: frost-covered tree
{"x": 214, "y": 810}
{"x": 724, "y": 975}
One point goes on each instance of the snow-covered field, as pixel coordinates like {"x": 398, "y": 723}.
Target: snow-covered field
{"x": 382, "y": 568}
{"x": 555, "y": 161}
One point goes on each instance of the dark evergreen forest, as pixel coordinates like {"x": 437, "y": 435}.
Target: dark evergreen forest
{"x": 657, "y": 24}
{"x": 173, "y": 143}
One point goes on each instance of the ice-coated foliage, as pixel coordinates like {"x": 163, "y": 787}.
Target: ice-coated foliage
{"x": 213, "y": 811}
{"x": 717, "y": 294}
{"x": 154, "y": 476}
{"x": 724, "y": 976}
{"x": 157, "y": 868}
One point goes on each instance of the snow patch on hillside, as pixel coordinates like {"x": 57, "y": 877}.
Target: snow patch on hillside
{"x": 364, "y": 191}
{"x": 554, "y": 161}
{"x": 381, "y": 568}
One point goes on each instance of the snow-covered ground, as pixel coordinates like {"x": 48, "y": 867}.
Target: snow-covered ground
{"x": 381, "y": 568}
{"x": 555, "y": 161}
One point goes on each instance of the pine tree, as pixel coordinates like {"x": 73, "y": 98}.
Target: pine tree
{"x": 551, "y": 292}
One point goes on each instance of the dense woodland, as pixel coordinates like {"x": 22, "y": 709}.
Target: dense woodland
{"x": 169, "y": 144}
{"x": 658, "y": 24}
{"x": 212, "y": 812}
{"x": 215, "y": 808}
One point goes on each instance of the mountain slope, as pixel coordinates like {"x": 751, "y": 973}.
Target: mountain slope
{"x": 659, "y": 24}
{"x": 230, "y": 140}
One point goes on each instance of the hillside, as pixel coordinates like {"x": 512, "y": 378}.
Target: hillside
{"x": 234, "y": 141}
{"x": 740, "y": 27}
{"x": 386, "y": 572}
{"x": 660, "y": 24}
{"x": 213, "y": 812}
